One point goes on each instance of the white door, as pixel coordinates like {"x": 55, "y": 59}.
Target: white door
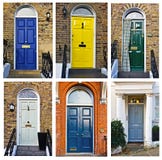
{"x": 28, "y": 119}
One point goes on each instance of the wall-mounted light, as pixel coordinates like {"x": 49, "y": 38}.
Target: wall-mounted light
{"x": 12, "y": 107}
{"x": 64, "y": 12}
{"x": 48, "y": 16}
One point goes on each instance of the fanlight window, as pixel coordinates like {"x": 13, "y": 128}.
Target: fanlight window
{"x": 27, "y": 93}
{"x": 79, "y": 97}
{"x": 85, "y": 11}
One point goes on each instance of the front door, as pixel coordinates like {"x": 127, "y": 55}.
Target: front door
{"x": 79, "y": 129}
{"x": 135, "y": 122}
{"x": 28, "y": 119}
{"x": 25, "y": 43}
{"x": 82, "y": 42}
{"x": 136, "y": 46}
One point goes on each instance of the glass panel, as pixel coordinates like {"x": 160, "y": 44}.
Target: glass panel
{"x": 134, "y": 15}
{"x": 26, "y": 11}
{"x": 79, "y": 97}
{"x": 138, "y": 25}
{"x": 82, "y": 11}
{"x": 27, "y": 93}
{"x": 157, "y": 101}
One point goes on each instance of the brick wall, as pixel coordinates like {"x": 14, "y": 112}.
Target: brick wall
{"x": 63, "y": 30}
{"x": 45, "y": 28}
{"x": 100, "y": 117}
{"x": 152, "y": 28}
{"x": 11, "y": 89}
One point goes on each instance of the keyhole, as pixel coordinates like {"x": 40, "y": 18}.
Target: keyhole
{"x": 82, "y": 25}
{"x": 28, "y": 122}
{"x": 28, "y": 108}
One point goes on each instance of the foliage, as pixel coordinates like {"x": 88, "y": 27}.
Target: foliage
{"x": 117, "y": 134}
{"x": 155, "y": 133}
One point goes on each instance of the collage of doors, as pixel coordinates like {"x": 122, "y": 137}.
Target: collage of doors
{"x": 80, "y": 78}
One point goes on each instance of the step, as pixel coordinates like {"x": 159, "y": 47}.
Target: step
{"x": 29, "y": 151}
{"x": 133, "y": 74}
{"x": 85, "y": 73}
{"x": 25, "y": 74}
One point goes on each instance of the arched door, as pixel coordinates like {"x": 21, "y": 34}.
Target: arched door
{"x": 82, "y": 37}
{"x": 28, "y": 117}
{"x": 133, "y": 40}
{"x": 80, "y": 121}
{"x": 25, "y": 38}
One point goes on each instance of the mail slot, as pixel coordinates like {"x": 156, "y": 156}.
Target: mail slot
{"x": 134, "y": 48}
{"x": 82, "y": 45}
{"x": 28, "y": 125}
{"x": 73, "y": 149}
{"x": 25, "y": 46}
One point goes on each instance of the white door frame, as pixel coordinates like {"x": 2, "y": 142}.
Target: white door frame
{"x": 128, "y": 11}
{"x": 93, "y": 110}
{"x": 79, "y": 15}
{"x": 18, "y": 113}
{"x": 21, "y": 15}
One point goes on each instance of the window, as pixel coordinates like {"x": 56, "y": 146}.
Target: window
{"x": 27, "y": 93}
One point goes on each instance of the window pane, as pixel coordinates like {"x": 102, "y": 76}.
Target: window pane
{"x": 134, "y": 15}
{"x": 79, "y": 97}
{"x": 82, "y": 11}
{"x": 27, "y": 93}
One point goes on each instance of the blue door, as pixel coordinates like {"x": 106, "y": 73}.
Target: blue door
{"x": 26, "y": 43}
{"x": 79, "y": 129}
{"x": 135, "y": 122}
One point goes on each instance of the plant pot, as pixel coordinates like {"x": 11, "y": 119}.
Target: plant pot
{"x": 42, "y": 139}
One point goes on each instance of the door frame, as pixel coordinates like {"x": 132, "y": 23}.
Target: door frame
{"x": 143, "y": 106}
{"x": 128, "y": 11}
{"x": 23, "y": 16}
{"x": 66, "y": 114}
{"x": 18, "y": 112}
{"x": 94, "y": 26}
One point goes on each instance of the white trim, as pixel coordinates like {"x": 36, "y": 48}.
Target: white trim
{"x": 94, "y": 31}
{"x": 92, "y": 105}
{"x": 36, "y": 16}
{"x": 135, "y": 9}
{"x": 18, "y": 113}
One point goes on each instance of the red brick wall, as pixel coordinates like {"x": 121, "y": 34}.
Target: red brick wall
{"x": 100, "y": 117}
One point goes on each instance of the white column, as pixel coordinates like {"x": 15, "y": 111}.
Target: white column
{"x": 120, "y": 108}
{"x": 148, "y": 128}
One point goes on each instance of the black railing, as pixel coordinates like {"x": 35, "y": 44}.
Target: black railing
{"x": 154, "y": 65}
{"x": 5, "y": 50}
{"x": 11, "y": 143}
{"x": 114, "y": 51}
{"x": 64, "y": 63}
{"x": 105, "y": 56}
{"x": 105, "y": 145}
{"x": 47, "y": 66}
{"x": 49, "y": 142}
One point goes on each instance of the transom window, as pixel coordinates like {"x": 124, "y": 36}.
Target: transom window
{"x": 27, "y": 93}
{"x": 82, "y": 11}
{"x": 134, "y": 15}
{"x": 80, "y": 96}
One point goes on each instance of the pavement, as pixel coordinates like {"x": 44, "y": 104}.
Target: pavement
{"x": 137, "y": 149}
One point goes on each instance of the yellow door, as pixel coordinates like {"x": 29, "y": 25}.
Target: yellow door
{"x": 82, "y": 42}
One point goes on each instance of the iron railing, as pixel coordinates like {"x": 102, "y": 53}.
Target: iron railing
{"x": 47, "y": 65}
{"x": 11, "y": 143}
{"x": 64, "y": 62}
{"x": 114, "y": 51}
{"x": 154, "y": 65}
{"x": 49, "y": 142}
{"x": 5, "y": 50}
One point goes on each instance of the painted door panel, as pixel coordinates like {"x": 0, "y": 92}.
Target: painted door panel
{"x": 79, "y": 129}
{"x": 135, "y": 130}
{"x": 25, "y": 43}
{"x": 82, "y": 42}
{"x": 136, "y": 48}
{"x": 28, "y": 122}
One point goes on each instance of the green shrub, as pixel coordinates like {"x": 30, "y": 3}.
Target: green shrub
{"x": 117, "y": 134}
{"x": 155, "y": 133}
